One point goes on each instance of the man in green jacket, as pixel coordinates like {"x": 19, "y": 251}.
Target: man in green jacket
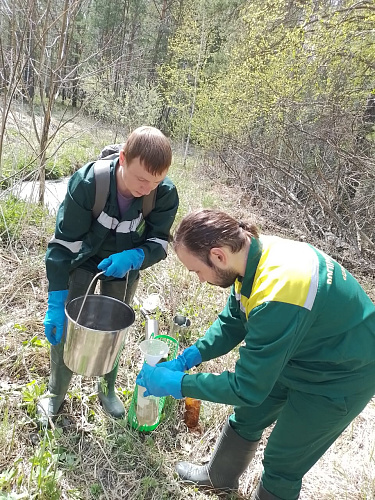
{"x": 306, "y": 360}
{"x": 119, "y": 242}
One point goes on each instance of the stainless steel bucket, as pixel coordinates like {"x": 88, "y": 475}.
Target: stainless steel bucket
{"x": 93, "y": 346}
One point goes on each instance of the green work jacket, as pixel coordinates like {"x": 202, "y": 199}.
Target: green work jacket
{"x": 79, "y": 237}
{"x": 300, "y": 318}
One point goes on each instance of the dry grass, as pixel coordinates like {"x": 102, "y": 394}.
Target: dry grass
{"x": 88, "y": 455}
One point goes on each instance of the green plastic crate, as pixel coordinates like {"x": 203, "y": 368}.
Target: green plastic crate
{"x": 132, "y": 414}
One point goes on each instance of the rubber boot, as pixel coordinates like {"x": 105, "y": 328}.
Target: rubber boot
{"x": 231, "y": 456}
{"x": 49, "y": 405}
{"x": 262, "y": 494}
{"x": 61, "y": 375}
{"x": 108, "y": 397}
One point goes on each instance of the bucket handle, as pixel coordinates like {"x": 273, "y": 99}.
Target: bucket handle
{"x": 84, "y": 299}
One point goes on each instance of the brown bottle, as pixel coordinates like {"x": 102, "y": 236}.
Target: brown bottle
{"x": 191, "y": 415}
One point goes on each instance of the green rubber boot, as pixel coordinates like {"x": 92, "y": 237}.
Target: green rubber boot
{"x": 108, "y": 397}
{"x": 231, "y": 456}
{"x": 262, "y": 494}
{"x": 50, "y": 403}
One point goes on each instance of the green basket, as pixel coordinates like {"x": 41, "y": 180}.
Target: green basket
{"x": 132, "y": 414}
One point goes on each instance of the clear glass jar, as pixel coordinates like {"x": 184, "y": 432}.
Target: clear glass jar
{"x": 147, "y": 408}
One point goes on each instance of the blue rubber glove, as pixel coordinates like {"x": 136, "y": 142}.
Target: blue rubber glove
{"x": 118, "y": 264}
{"x": 55, "y": 316}
{"x": 160, "y": 381}
{"x": 190, "y": 357}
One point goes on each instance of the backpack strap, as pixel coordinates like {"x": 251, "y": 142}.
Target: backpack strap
{"x": 148, "y": 203}
{"x": 102, "y": 178}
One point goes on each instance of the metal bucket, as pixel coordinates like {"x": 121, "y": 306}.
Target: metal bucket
{"x": 93, "y": 346}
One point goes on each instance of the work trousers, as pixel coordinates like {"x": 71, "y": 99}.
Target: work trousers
{"x": 120, "y": 289}
{"x": 306, "y": 426}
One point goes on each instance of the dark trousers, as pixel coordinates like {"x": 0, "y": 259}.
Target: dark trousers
{"x": 306, "y": 426}
{"x": 123, "y": 289}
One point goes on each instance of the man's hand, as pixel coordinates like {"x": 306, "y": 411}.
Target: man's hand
{"x": 190, "y": 357}
{"x": 55, "y": 316}
{"x": 118, "y": 264}
{"x": 160, "y": 381}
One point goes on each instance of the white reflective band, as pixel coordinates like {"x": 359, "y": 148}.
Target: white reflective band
{"x": 124, "y": 227}
{"x": 129, "y": 225}
{"x": 73, "y": 246}
{"x": 107, "y": 221}
{"x": 163, "y": 243}
{"x": 309, "y": 302}
{"x": 238, "y": 298}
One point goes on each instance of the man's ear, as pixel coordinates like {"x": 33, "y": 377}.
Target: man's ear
{"x": 122, "y": 158}
{"x": 218, "y": 257}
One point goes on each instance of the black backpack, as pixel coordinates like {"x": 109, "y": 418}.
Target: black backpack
{"x": 101, "y": 172}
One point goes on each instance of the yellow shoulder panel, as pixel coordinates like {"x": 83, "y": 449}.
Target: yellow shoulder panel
{"x": 287, "y": 272}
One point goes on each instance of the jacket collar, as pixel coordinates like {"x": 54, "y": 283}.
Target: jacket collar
{"x": 253, "y": 258}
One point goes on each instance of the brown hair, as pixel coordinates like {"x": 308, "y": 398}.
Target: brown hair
{"x": 151, "y": 146}
{"x": 203, "y": 230}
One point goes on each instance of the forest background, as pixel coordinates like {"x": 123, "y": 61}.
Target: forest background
{"x": 270, "y": 106}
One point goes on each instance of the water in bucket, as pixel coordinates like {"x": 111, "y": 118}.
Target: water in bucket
{"x": 153, "y": 351}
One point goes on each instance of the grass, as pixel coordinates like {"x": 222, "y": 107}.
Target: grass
{"x": 87, "y": 454}
{"x": 20, "y": 220}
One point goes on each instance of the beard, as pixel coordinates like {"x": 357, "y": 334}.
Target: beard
{"x": 224, "y": 278}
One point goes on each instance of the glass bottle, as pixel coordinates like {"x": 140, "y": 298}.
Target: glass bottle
{"x": 191, "y": 415}
{"x": 147, "y": 408}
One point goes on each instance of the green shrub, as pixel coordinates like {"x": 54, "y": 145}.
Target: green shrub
{"x": 23, "y": 164}
{"x": 70, "y": 157}
{"x": 15, "y": 214}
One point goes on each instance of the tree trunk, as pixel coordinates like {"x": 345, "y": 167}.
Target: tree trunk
{"x": 194, "y": 97}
